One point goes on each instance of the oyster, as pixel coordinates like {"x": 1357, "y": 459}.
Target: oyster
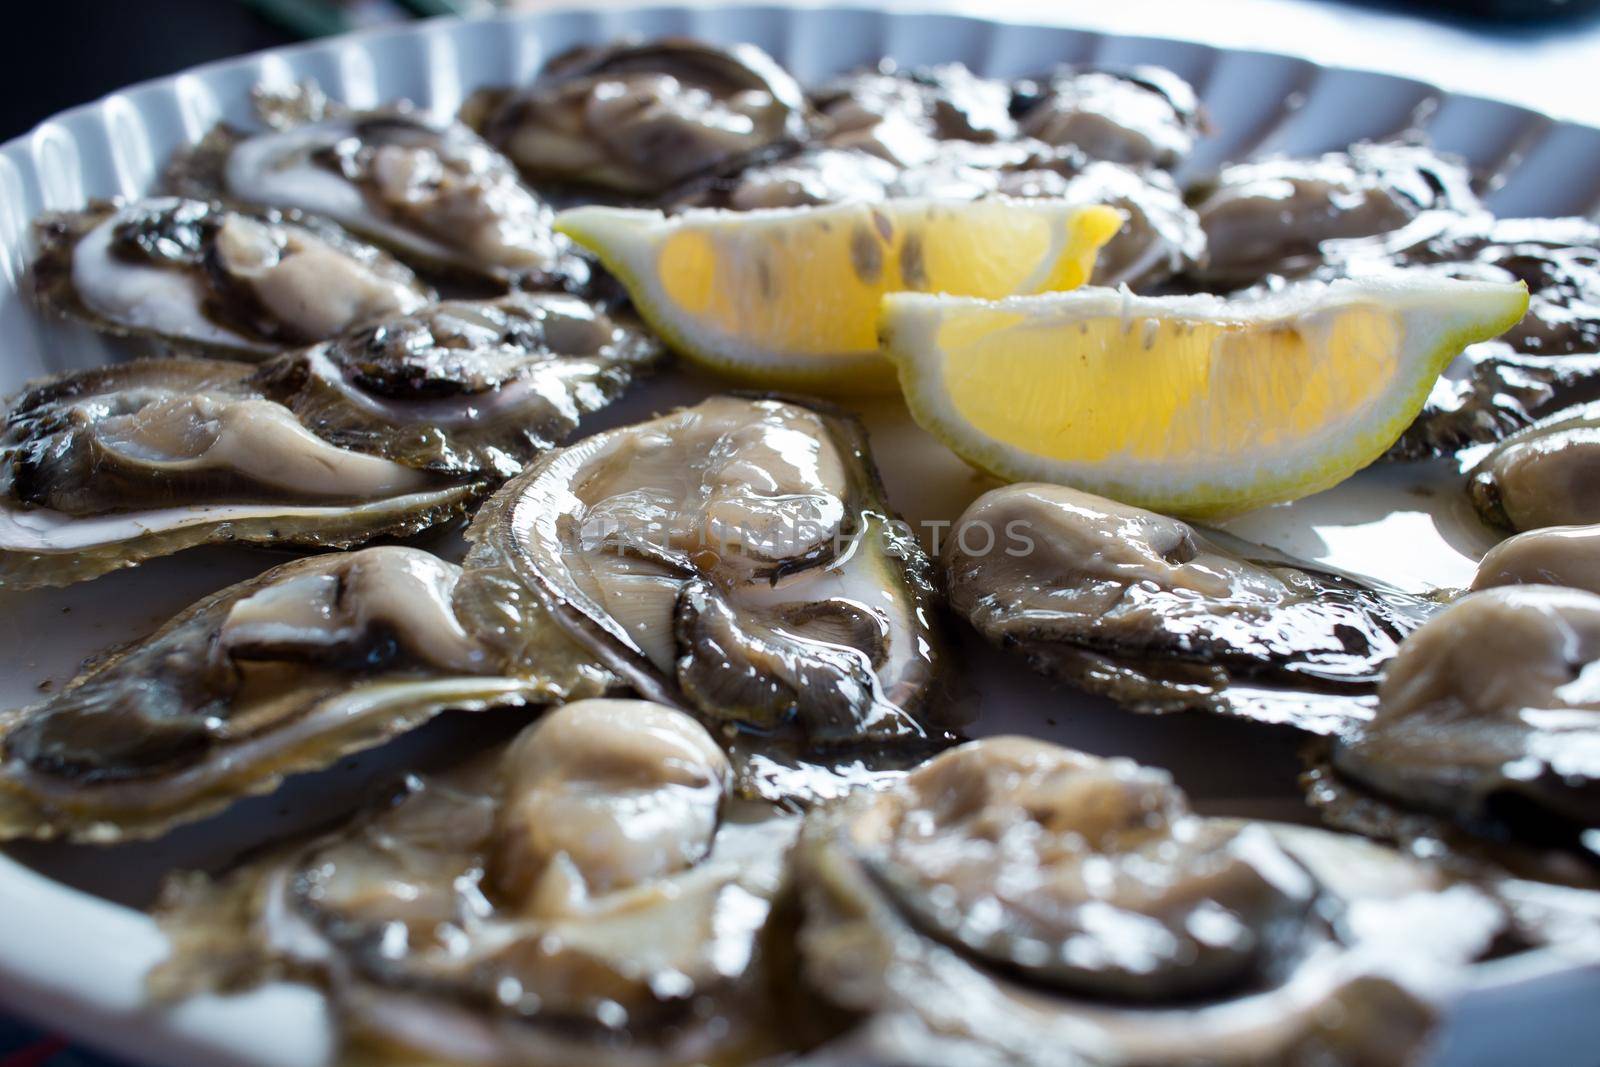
{"x": 586, "y": 894}
{"x": 466, "y": 388}
{"x": 1160, "y": 616}
{"x": 1012, "y": 902}
{"x": 198, "y": 277}
{"x": 1141, "y": 116}
{"x": 1545, "y": 475}
{"x": 640, "y": 117}
{"x": 1546, "y": 364}
{"x": 1556, "y": 555}
{"x": 431, "y": 191}
{"x": 901, "y": 116}
{"x": 1271, "y": 216}
{"x": 1488, "y": 723}
{"x": 735, "y": 560}
{"x": 279, "y": 674}
{"x": 386, "y": 431}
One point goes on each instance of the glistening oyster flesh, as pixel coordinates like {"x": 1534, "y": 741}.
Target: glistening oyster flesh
{"x": 1271, "y": 216}
{"x": 639, "y": 117}
{"x": 1012, "y": 902}
{"x": 109, "y": 467}
{"x": 431, "y": 191}
{"x": 198, "y": 277}
{"x": 1545, "y": 475}
{"x": 1143, "y": 116}
{"x": 734, "y": 559}
{"x": 1160, "y": 616}
{"x": 283, "y": 673}
{"x": 1487, "y": 720}
{"x": 586, "y": 894}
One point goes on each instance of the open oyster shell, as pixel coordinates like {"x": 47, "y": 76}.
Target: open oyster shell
{"x": 641, "y": 116}
{"x": 1545, "y": 475}
{"x": 1486, "y": 737}
{"x": 1012, "y": 902}
{"x": 198, "y": 277}
{"x": 279, "y": 674}
{"x": 106, "y": 468}
{"x": 431, "y": 191}
{"x": 386, "y": 431}
{"x": 902, "y": 115}
{"x": 736, "y": 560}
{"x": 1143, "y": 116}
{"x": 1271, "y": 216}
{"x": 1160, "y": 616}
{"x": 587, "y": 894}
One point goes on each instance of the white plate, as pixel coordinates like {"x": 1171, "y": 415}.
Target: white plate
{"x": 72, "y": 953}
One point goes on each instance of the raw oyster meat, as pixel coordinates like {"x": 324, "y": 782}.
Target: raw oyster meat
{"x": 199, "y": 277}
{"x": 640, "y": 117}
{"x": 1547, "y": 364}
{"x": 1144, "y": 116}
{"x": 282, "y": 673}
{"x": 736, "y": 560}
{"x": 431, "y": 191}
{"x": 106, "y": 468}
{"x": 901, "y": 116}
{"x": 386, "y": 431}
{"x": 1271, "y": 216}
{"x": 589, "y": 893}
{"x": 1545, "y": 475}
{"x": 1012, "y": 902}
{"x": 1567, "y": 556}
{"x": 1486, "y": 738}
{"x": 1161, "y": 616}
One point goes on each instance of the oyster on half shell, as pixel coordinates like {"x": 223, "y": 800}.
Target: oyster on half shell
{"x": 202, "y": 278}
{"x": 431, "y": 191}
{"x": 1143, "y": 116}
{"x": 386, "y": 431}
{"x": 638, "y": 117}
{"x": 735, "y": 560}
{"x": 1488, "y": 724}
{"x": 279, "y": 674}
{"x": 1015, "y": 903}
{"x": 588, "y": 893}
{"x": 1160, "y": 616}
{"x": 1545, "y": 475}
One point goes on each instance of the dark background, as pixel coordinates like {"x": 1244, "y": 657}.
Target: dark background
{"x": 60, "y": 53}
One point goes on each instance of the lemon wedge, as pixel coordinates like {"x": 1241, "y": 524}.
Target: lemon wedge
{"x": 1193, "y": 405}
{"x": 791, "y": 296}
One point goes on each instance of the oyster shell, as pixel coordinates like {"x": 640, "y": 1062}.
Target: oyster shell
{"x": 1271, "y": 216}
{"x": 199, "y": 277}
{"x": 283, "y": 673}
{"x": 1160, "y": 616}
{"x": 1486, "y": 729}
{"x": 385, "y": 431}
{"x": 109, "y": 467}
{"x": 586, "y": 894}
{"x": 1545, "y": 475}
{"x": 1546, "y": 364}
{"x": 467, "y": 388}
{"x": 431, "y": 191}
{"x": 1012, "y": 902}
{"x": 1144, "y": 116}
{"x": 735, "y": 560}
{"x": 640, "y": 117}
{"x": 901, "y": 116}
